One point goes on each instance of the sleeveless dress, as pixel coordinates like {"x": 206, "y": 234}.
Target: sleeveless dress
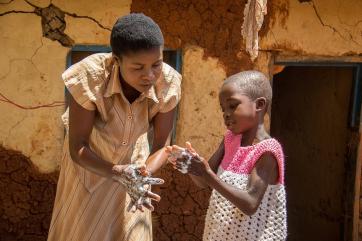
{"x": 224, "y": 221}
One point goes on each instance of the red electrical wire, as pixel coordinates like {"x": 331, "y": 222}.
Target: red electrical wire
{"x": 53, "y": 104}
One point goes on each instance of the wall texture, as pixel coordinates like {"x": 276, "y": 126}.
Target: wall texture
{"x": 36, "y": 36}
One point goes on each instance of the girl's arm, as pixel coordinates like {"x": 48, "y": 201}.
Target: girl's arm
{"x": 214, "y": 163}
{"x": 264, "y": 173}
{"x": 162, "y": 127}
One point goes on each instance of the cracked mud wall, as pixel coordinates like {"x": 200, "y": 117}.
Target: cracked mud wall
{"x": 26, "y": 198}
{"x": 33, "y": 56}
{"x": 208, "y": 32}
{"x": 314, "y": 28}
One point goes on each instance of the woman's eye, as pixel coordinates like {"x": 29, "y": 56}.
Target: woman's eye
{"x": 138, "y": 68}
{"x": 156, "y": 65}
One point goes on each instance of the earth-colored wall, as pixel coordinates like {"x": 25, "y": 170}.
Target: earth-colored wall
{"x": 314, "y": 27}
{"x": 35, "y": 39}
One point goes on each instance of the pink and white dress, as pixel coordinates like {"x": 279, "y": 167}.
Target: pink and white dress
{"x": 224, "y": 221}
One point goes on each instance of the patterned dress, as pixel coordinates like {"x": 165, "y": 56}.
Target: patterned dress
{"x": 89, "y": 207}
{"x": 224, "y": 221}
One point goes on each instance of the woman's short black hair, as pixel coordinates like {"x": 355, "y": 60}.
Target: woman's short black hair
{"x": 135, "y": 32}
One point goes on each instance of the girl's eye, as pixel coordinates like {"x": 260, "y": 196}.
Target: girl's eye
{"x": 233, "y": 106}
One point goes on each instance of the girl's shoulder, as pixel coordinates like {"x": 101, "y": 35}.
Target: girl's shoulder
{"x": 242, "y": 159}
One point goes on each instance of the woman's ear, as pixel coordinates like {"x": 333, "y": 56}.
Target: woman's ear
{"x": 260, "y": 104}
{"x": 118, "y": 58}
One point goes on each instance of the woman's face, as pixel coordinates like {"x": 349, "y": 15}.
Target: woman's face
{"x": 141, "y": 69}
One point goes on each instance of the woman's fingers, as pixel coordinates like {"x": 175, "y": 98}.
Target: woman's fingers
{"x": 147, "y": 204}
{"x": 190, "y": 148}
{"x": 153, "y": 181}
{"x": 153, "y": 196}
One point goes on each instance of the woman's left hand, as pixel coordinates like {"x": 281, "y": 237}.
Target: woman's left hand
{"x": 137, "y": 181}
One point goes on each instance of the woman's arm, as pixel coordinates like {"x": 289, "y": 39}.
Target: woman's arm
{"x": 162, "y": 127}
{"x": 80, "y": 127}
{"x": 264, "y": 173}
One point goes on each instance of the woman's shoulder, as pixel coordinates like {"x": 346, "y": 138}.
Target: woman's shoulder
{"x": 168, "y": 88}
{"x": 170, "y": 75}
{"x": 93, "y": 68}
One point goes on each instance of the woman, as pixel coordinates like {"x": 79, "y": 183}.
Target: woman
{"x": 115, "y": 99}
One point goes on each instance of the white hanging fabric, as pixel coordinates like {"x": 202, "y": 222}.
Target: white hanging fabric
{"x": 253, "y": 20}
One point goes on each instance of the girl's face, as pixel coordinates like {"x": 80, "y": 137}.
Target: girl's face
{"x": 239, "y": 111}
{"x": 141, "y": 69}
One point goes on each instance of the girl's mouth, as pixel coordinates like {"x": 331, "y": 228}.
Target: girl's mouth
{"x": 229, "y": 123}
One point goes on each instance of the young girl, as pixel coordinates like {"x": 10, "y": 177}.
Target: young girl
{"x": 246, "y": 172}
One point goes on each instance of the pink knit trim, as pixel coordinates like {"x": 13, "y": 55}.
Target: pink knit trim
{"x": 241, "y": 160}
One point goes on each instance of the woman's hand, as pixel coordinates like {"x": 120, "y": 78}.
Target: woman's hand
{"x": 137, "y": 181}
{"x": 187, "y": 160}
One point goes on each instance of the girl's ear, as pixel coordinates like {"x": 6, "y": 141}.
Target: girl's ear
{"x": 260, "y": 104}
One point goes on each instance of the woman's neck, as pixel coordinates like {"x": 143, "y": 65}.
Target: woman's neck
{"x": 129, "y": 92}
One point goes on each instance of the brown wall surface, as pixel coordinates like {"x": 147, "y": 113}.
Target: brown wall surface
{"x": 207, "y": 32}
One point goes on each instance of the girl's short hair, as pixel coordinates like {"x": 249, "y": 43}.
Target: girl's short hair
{"x": 252, "y": 83}
{"x": 135, "y": 32}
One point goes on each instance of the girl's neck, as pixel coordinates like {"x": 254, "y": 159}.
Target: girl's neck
{"x": 254, "y": 135}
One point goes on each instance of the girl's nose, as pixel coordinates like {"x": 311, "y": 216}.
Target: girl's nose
{"x": 226, "y": 115}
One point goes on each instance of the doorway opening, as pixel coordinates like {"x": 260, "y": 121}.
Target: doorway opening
{"x": 315, "y": 115}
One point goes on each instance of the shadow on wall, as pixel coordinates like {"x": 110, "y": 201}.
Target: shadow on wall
{"x": 26, "y": 198}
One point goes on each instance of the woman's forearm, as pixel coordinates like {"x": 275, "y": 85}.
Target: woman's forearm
{"x": 86, "y": 158}
{"x": 156, "y": 160}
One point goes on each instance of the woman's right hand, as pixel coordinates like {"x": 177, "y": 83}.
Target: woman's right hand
{"x": 137, "y": 181}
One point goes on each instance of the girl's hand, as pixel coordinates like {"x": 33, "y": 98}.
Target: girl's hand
{"x": 137, "y": 181}
{"x": 178, "y": 157}
{"x": 187, "y": 160}
{"x": 198, "y": 166}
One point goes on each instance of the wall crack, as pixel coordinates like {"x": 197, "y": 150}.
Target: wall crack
{"x": 53, "y": 21}
{"x": 330, "y": 26}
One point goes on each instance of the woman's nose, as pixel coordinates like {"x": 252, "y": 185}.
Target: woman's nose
{"x": 149, "y": 75}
